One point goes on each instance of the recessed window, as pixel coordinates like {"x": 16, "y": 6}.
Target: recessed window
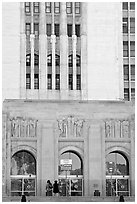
{"x": 70, "y": 61}
{"x": 57, "y": 30}
{"x": 125, "y": 5}
{"x": 77, "y": 30}
{"x": 126, "y": 72}
{"x": 78, "y": 61}
{"x": 132, "y": 25}
{"x": 57, "y": 60}
{"x": 36, "y": 60}
{"x": 56, "y": 7}
{"x": 49, "y": 81}
{"x": 125, "y": 25}
{"x": 36, "y": 81}
{"x": 70, "y": 82}
{"x": 27, "y": 7}
{"x": 28, "y": 81}
{"x": 132, "y": 94}
{"x": 57, "y": 81}
{"x": 132, "y": 48}
{"x": 132, "y": 72}
{"x": 125, "y": 48}
{"x": 36, "y": 29}
{"x": 77, "y": 7}
{"x": 48, "y": 7}
{"x": 132, "y": 5}
{"x": 28, "y": 29}
{"x": 126, "y": 94}
{"x": 36, "y": 7}
{"x": 48, "y": 29}
{"x": 28, "y": 60}
{"x": 69, "y": 30}
{"x": 78, "y": 82}
{"x": 49, "y": 60}
{"x": 69, "y": 7}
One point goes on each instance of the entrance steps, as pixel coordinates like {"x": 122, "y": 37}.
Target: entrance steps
{"x": 67, "y": 199}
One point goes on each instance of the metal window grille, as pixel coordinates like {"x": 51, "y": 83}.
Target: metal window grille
{"x": 56, "y": 7}
{"x": 36, "y": 81}
{"x": 77, "y": 7}
{"x": 78, "y": 61}
{"x": 28, "y": 81}
{"x": 27, "y": 7}
{"x": 69, "y": 7}
{"x": 48, "y": 7}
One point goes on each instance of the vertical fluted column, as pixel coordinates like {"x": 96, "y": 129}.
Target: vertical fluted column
{"x": 43, "y": 48}
{"x": 63, "y": 51}
{"x": 84, "y": 50}
{"x": 53, "y": 41}
{"x": 74, "y": 43}
{"x": 32, "y": 38}
{"x": 22, "y": 52}
{"x": 8, "y": 156}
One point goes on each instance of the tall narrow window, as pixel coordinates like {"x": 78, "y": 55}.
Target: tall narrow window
{"x": 36, "y": 60}
{"x": 56, "y": 7}
{"x": 132, "y": 48}
{"x": 70, "y": 61}
{"x": 126, "y": 94}
{"x": 57, "y": 82}
{"x": 126, "y": 72}
{"x": 48, "y": 7}
{"x": 36, "y": 29}
{"x": 57, "y": 30}
{"x": 125, "y": 5}
{"x": 125, "y": 25}
{"x": 132, "y": 94}
{"x": 132, "y": 25}
{"x": 48, "y": 29}
{"x": 49, "y": 60}
{"x": 49, "y": 81}
{"x": 28, "y": 81}
{"x": 77, "y": 30}
{"x": 132, "y": 72}
{"x": 69, "y": 7}
{"x": 36, "y": 81}
{"x": 27, "y": 7}
{"x": 36, "y": 7}
{"x": 78, "y": 61}
{"x": 69, "y": 30}
{"x": 78, "y": 82}
{"x": 125, "y": 48}
{"x": 70, "y": 82}
{"x": 28, "y": 29}
{"x": 77, "y": 7}
{"x": 28, "y": 60}
{"x": 57, "y": 59}
{"x": 132, "y": 5}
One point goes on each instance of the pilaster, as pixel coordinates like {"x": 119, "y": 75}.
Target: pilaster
{"x": 53, "y": 41}
{"x": 32, "y": 38}
{"x": 74, "y": 42}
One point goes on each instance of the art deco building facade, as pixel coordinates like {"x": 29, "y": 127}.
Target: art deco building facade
{"x": 68, "y": 93}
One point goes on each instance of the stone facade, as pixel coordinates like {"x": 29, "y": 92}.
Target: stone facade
{"x": 48, "y": 128}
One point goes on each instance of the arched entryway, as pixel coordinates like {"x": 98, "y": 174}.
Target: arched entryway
{"x": 23, "y": 174}
{"x": 71, "y": 177}
{"x": 117, "y": 174}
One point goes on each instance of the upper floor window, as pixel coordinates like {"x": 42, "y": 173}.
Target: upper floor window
{"x": 78, "y": 61}
{"x": 69, "y": 7}
{"x": 132, "y": 48}
{"x": 70, "y": 61}
{"x": 56, "y": 7}
{"x": 36, "y": 29}
{"x": 27, "y": 7}
{"x": 36, "y": 60}
{"x": 125, "y": 5}
{"x": 36, "y": 81}
{"x": 132, "y": 5}
{"x": 125, "y": 25}
{"x": 126, "y": 72}
{"x": 57, "y": 30}
{"x": 28, "y": 28}
{"x": 77, "y": 30}
{"x": 69, "y": 30}
{"x": 126, "y": 94}
{"x": 48, "y": 7}
{"x": 125, "y": 48}
{"x": 49, "y": 60}
{"x": 57, "y": 60}
{"x": 77, "y": 7}
{"x": 132, "y": 93}
{"x": 132, "y": 25}
{"x": 48, "y": 29}
{"x": 132, "y": 72}
{"x": 28, "y": 60}
{"x": 28, "y": 81}
{"x": 36, "y": 7}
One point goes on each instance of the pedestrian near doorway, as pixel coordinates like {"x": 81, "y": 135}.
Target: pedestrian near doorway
{"x": 121, "y": 199}
{"x": 55, "y": 188}
{"x": 49, "y": 188}
{"x": 23, "y": 198}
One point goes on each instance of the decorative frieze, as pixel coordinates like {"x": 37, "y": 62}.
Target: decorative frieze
{"x": 70, "y": 126}
{"x": 117, "y": 128}
{"x": 22, "y": 127}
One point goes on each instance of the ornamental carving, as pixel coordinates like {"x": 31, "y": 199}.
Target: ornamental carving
{"x": 125, "y": 129}
{"x": 21, "y": 127}
{"x": 70, "y": 126}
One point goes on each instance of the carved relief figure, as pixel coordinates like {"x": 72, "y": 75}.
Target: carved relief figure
{"x": 79, "y": 125}
{"x": 125, "y": 129}
{"x": 15, "y": 127}
{"x": 108, "y": 129}
{"x": 62, "y": 124}
{"x": 32, "y": 128}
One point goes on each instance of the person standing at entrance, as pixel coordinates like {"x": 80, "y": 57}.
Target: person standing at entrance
{"x": 49, "y": 188}
{"x": 23, "y": 198}
{"x": 55, "y": 188}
